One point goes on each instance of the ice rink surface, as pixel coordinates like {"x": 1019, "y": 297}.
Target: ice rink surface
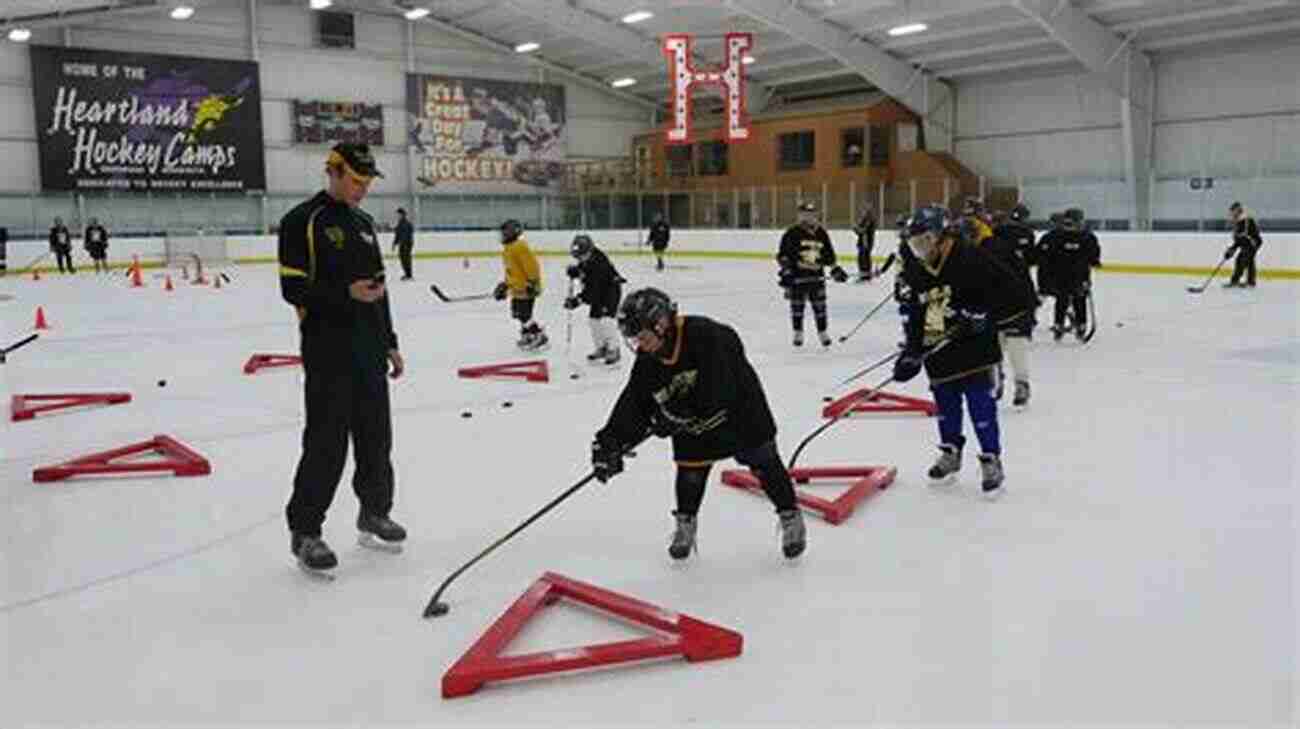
{"x": 1140, "y": 570}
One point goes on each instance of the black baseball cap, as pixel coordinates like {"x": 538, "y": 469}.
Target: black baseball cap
{"x": 356, "y": 159}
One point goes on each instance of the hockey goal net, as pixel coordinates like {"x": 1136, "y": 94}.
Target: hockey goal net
{"x": 195, "y": 248}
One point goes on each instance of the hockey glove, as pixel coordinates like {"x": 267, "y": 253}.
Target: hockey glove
{"x": 785, "y": 277}
{"x": 839, "y": 275}
{"x": 907, "y": 366}
{"x": 606, "y": 460}
{"x": 533, "y": 289}
{"x": 499, "y": 293}
{"x": 572, "y": 302}
{"x": 1228, "y": 253}
{"x": 573, "y": 270}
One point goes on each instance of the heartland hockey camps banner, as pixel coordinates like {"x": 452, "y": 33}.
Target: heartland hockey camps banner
{"x": 143, "y": 122}
{"x": 484, "y": 135}
{"x": 326, "y": 122}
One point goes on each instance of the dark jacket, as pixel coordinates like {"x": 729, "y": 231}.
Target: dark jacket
{"x": 60, "y": 237}
{"x": 404, "y": 234}
{"x": 866, "y": 230}
{"x": 1069, "y": 256}
{"x": 601, "y": 284}
{"x": 709, "y": 379}
{"x": 325, "y": 246}
{"x": 806, "y": 253}
{"x": 967, "y": 280}
{"x": 1245, "y": 235}
{"x": 96, "y": 238}
{"x": 659, "y": 234}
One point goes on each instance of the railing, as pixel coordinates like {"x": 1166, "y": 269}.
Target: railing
{"x": 1175, "y": 205}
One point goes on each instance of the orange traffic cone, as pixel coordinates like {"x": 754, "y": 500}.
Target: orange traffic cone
{"x": 137, "y": 281}
{"x": 40, "y": 318}
{"x": 168, "y": 285}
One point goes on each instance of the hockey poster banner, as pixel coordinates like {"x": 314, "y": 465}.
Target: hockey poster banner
{"x": 327, "y": 122}
{"x": 146, "y": 123}
{"x": 479, "y": 135}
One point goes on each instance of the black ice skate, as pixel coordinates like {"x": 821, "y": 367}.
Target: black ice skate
{"x": 798, "y": 338}
{"x": 1021, "y": 399}
{"x": 597, "y": 355}
{"x": 612, "y": 357}
{"x": 794, "y": 535}
{"x": 825, "y": 338}
{"x": 314, "y": 555}
{"x": 946, "y": 466}
{"x": 683, "y": 539}
{"x": 991, "y": 475}
{"x": 1081, "y": 331}
{"x": 380, "y": 532}
{"x": 1058, "y": 332}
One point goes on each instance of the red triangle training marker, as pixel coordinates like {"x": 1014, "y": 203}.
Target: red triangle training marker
{"x": 881, "y": 402}
{"x": 685, "y": 636}
{"x": 533, "y": 370}
{"x": 179, "y": 459}
{"x": 262, "y": 361}
{"x": 867, "y": 481}
{"x": 23, "y": 407}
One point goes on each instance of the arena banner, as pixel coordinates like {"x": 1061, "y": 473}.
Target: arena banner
{"x": 144, "y": 122}
{"x": 478, "y": 135}
{"x": 327, "y": 122}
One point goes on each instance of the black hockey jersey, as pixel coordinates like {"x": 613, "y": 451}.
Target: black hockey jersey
{"x": 659, "y": 234}
{"x": 707, "y": 378}
{"x": 967, "y": 279}
{"x": 1070, "y": 256}
{"x": 1245, "y": 234}
{"x": 601, "y": 284}
{"x": 806, "y": 252}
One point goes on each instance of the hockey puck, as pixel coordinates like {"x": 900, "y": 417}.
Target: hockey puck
{"x": 1119, "y": 324}
{"x": 827, "y": 398}
{"x": 162, "y": 383}
{"x": 573, "y": 376}
{"x": 467, "y": 414}
{"x": 507, "y": 404}
{"x": 437, "y": 610}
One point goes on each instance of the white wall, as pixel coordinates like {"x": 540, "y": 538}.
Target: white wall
{"x": 599, "y": 125}
{"x": 1200, "y": 251}
{"x": 1227, "y": 115}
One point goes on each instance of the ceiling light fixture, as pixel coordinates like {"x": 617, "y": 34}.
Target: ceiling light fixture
{"x": 638, "y": 16}
{"x": 528, "y": 47}
{"x": 908, "y": 29}
{"x": 321, "y": 4}
{"x": 182, "y": 12}
{"x": 621, "y": 82}
{"x": 20, "y": 35}
{"x": 416, "y": 13}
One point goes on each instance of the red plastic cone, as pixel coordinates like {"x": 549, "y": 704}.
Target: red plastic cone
{"x": 40, "y": 318}
{"x": 137, "y": 281}
{"x": 168, "y": 285}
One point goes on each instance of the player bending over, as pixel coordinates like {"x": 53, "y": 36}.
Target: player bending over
{"x": 602, "y": 288}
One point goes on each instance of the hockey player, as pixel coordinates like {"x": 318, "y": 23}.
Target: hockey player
{"x": 95, "y": 242}
{"x": 977, "y": 220}
{"x": 866, "y": 232}
{"x": 1013, "y": 245}
{"x": 523, "y": 284}
{"x": 692, "y": 382}
{"x": 602, "y": 288}
{"x": 805, "y": 251}
{"x": 61, "y": 246}
{"x": 1246, "y": 242}
{"x": 1070, "y": 257}
{"x": 955, "y": 297}
{"x": 659, "y": 235}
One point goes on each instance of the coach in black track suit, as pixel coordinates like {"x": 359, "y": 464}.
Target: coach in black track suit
{"x": 332, "y": 272}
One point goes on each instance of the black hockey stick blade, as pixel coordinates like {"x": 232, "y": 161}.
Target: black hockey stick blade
{"x": 25, "y": 340}
{"x": 453, "y": 299}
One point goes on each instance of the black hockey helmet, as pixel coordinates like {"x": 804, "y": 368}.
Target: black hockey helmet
{"x": 1072, "y": 218}
{"x": 808, "y": 213}
{"x": 1020, "y": 213}
{"x": 511, "y": 230}
{"x": 581, "y": 247}
{"x": 645, "y": 310}
{"x": 927, "y": 226}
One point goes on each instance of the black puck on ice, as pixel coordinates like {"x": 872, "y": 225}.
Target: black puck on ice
{"x": 162, "y": 383}
{"x": 573, "y": 376}
{"x": 1119, "y": 324}
{"x": 507, "y": 404}
{"x": 467, "y": 414}
{"x": 827, "y": 398}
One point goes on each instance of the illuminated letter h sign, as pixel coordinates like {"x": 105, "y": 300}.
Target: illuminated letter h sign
{"x": 683, "y": 78}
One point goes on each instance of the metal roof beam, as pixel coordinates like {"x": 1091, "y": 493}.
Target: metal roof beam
{"x": 1096, "y": 47}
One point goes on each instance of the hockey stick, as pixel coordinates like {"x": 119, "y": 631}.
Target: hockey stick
{"x": 453, "y": 299}
{"x": 1202, "y": 287}
{"x": 822, "y": 428}
{"x": 32, "y": 265}
{"x": 4, "y": 353}
{"x": 870, "y": 314}
{"x": 437, "y": 608}
{"x": 871, "y": 368}
{"x": 1092, "y": 319}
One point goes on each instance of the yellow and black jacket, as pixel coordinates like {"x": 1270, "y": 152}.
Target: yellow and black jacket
{"x": 325, "y": 246}
{"x": 522, "y": 269}
{"x": 707, "y": 379}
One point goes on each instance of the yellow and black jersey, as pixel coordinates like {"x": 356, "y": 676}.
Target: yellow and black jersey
{"x": 706, "y": 378}
{"x": 978, "y": 230}
{"x": 806, "y": 251}
{"x": 325, "y": 246}
{"x": 522, "y": 269}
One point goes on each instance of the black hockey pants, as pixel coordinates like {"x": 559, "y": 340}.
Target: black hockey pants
{"x": 764, "y": 462}
{"x": 1245, "y": 265}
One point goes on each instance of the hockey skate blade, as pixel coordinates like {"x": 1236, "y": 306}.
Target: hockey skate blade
{"x": 318, "y": 575}
{"x": 945, "y": 482}
{"x": 994, "y": 495}
{"x": 370, "y": 541}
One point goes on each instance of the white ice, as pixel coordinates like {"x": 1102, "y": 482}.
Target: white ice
{"x": 1141, "y": 569}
